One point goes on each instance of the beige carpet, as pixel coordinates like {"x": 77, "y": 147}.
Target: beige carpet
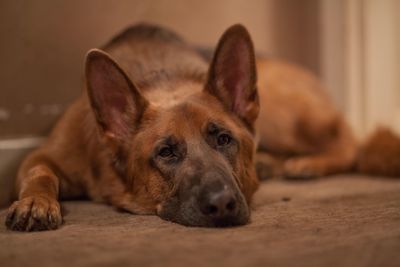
{"x": 338, "y": 221}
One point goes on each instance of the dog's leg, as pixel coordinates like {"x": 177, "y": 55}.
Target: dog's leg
{"x": 37, "y": 207}
{"x": 336, "y": 157}
{"x": 268, "y": 165}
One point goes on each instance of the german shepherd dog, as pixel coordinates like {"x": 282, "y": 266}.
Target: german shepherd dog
{"x": 158, "y": 130}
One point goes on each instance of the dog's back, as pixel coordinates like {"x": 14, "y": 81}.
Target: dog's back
{"x": 148, "y": 54}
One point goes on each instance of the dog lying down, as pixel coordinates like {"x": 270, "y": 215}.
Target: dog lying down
{"x": 158, "y": 130}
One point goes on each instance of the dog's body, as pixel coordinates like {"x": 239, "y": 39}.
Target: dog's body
{"x": 299, "y": 126}
{"x": 174, "y": 130}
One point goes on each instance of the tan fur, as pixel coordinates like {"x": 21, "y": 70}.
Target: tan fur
{"x": 81, "y": 160}
{"x": 298, "y": 124}
{"x": 299, "y": 132}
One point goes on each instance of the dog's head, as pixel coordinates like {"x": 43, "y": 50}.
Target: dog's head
{"x": 190, "y": 161}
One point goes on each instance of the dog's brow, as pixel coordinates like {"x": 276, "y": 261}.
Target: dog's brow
{"x": 166, "y": 140}
{"x": 216, "y": 126}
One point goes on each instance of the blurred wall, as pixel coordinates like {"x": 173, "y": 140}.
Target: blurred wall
{"x": 43, "y": 45}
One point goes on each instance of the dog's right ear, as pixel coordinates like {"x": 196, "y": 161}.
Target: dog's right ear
{"x": 116, "y": 102}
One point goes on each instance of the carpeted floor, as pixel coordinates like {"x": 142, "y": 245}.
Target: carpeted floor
{"x": 338, "y": 221}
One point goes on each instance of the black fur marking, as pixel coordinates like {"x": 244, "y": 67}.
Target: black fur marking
{"x": 146, "y": 31}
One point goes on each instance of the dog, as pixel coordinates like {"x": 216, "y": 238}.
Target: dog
{"x": 159, "y": 130}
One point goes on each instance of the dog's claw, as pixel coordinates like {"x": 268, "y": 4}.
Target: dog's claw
{"x": 34, "y": 214}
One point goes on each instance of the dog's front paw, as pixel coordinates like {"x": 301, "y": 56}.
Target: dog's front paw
{"x": 301, "y": 169}
{"x": 34, "y": 214}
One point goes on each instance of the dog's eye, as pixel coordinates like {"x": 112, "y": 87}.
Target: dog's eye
{"x": 224, "y": 139}
{"x": 166, "y": 152}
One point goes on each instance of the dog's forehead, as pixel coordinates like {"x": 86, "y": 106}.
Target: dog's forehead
{"x": 167, "y": 95}
{"x": 189, "y": 117}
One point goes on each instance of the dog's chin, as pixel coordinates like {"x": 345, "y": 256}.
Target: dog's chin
{"x": 187, "y": 215}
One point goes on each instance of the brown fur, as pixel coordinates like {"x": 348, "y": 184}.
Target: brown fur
{"x": 94, "y": 153}
{"x": 300, "y": 129}
{"x": 83, "y": 157}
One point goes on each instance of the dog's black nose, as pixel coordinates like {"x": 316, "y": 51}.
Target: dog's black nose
{"x": 219, "y": 205}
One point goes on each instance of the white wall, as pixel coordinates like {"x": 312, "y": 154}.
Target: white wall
{"x": 360, "y": 60}
{"x": 382, "y": 63}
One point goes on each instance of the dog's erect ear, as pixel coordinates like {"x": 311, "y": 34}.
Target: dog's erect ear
{"x": 116, "y": 102}
{"x": 232, "y": 75}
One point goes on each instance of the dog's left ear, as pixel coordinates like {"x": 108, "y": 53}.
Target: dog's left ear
{"x": 232, "y": 76}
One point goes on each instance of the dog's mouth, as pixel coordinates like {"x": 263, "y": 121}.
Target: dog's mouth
{"x": 190, "y": 214}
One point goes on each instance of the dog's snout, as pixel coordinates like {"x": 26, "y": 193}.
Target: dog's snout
{"x": 216, "y": 202}
{"x": 219, "y": 205}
